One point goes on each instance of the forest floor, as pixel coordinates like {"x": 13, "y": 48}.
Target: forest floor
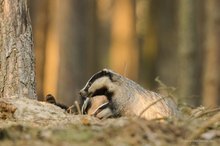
{"x": 26, "y": 122}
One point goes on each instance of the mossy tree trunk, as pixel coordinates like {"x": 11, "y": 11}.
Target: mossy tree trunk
{"x": 17, "y": 76}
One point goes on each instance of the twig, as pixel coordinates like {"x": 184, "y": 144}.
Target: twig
{"x": 169, "y": 90}
{"x": 202, "y": 128}
{"x": 69, "y": 109}
{"x": 207, "y": 112}
{"x": 160, "y": 119}
{"x": 78, "y": 108}
{"x": 125, "y": 69}
{"x": 151, "y": 105}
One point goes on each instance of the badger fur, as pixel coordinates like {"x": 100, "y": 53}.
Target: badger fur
{"x": 127, "y": 98}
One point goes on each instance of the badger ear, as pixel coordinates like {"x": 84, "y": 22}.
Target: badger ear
{"x": 105, "y": 74}
{"x": 50, "y": 99}
{"x": 114, "y": 77}
{"x": 105, "y": 70}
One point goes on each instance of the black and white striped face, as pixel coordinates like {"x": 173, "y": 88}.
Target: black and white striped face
{"x": 109, "y": 94}
{"x": 100, "y": 84}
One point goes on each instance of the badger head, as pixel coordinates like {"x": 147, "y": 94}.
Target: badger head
{"x": 104, "y": 82}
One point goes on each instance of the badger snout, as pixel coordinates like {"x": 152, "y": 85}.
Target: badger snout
{"x": 97, "y": 106}
{"x": 82, "y": 93}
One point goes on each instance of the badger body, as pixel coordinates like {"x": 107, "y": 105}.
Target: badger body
{"x": 127, "y": 98}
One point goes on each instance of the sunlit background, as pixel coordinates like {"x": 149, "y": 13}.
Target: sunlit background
{"x": 175, "y": 40}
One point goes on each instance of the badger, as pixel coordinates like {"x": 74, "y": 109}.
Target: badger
{"x": 121, "y": 96}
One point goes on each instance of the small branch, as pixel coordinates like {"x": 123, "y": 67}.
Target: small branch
{"x": 78, "y": 108}
{"x": 207, "y": 112}
{"x": 151, "y": 105}
{"x": 69, "y": 109}
{"x": 202, "y": 128}
{"x": 163, "y": 86}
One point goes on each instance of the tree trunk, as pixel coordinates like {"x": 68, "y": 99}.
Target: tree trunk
{"x": 52, "y": 50}
{"x": 211, "y": 70}
{"x": 124, "y": 51}
{"x": 167, "y": 58}
{"x": 17, "y": 76}
{"x": 103, "y": 23}
{"x": 39, "y": 15}
{"x": 77, "y": 47}
{"x": 147, "y": 41}
{"x": 71, "y": 45}
{"x": 186, "y": 48}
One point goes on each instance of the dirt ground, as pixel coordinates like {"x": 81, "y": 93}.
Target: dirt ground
{"x": 26, "y": 122}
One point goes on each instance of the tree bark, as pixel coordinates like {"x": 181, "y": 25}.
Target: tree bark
{"x": 17, "y": 76}
{"x": 210, "y": 92}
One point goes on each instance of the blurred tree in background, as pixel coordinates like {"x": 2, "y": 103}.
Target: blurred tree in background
{"x": 141, "y": 39}
{"x": 211, "y": 70}
{"x": 186, "y": 45}
{"x": 40, "y": 20}
{"x": 123, "y": 50}
{"x": 77, "y": 20}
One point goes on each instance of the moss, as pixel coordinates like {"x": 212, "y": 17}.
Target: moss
{"x": 73, "y": 135}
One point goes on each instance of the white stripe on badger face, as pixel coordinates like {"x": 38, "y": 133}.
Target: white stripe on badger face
{"x": 100, "y": 72}
{"x": 101, "y": 83}
{"x": 87, "y": 84}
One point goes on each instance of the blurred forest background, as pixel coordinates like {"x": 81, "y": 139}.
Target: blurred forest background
{"x": 175, "y": 40}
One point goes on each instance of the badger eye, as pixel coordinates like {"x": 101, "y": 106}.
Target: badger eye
{"x": 101, "y": 91}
